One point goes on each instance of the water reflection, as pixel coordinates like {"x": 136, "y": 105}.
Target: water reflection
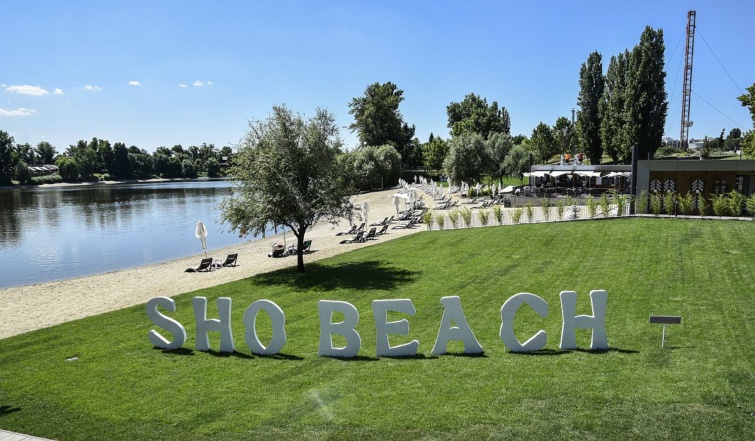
{"x": 62, "y": 232}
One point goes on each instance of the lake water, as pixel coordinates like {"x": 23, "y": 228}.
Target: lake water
{"x": 54, "y": 233}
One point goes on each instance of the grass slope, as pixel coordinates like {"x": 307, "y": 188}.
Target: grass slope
{"x": 701, "y": 387}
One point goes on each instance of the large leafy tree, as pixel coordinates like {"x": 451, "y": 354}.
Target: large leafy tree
{"x": 646, "y": 104}
{"x": 499, "y": 146}
{"x": 564, "y": 135}
{"x": 377, "y": 119}
{"x": 466, "y": 158}
{"x": 474, "y": 115}
{"x": 8, "y": 158}
{"x": 543, "y": 142}
{"x": 46, "y": 152}
{"x": 517, "y": 162}
{"x": 373, "y": 167}
{"x": 611, "y": 111}
{"x": 287, "y": 175}
{"x": 591, "y": 86}
{"x": 434, "y": 152}
{"x": 748, "y": 100}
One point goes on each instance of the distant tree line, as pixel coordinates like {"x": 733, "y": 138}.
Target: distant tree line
{"x": 99, "y": 159}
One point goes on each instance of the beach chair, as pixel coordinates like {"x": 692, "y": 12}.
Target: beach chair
{"x": 278, "y": 250}
{"x": 383, "y": 230}
{"x": 371, "y": 233}
{"x": 358, "y": 238}
{"x": 380, "y": 224}
{"x": 230, "y": 260}
{"x": 204, "y": 265}
{"x": 293, "y": 249}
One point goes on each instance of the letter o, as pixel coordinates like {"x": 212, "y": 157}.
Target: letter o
{"x": 278, "y": 320}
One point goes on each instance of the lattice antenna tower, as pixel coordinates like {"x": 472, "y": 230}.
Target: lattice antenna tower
{"x": 687, "y": 88}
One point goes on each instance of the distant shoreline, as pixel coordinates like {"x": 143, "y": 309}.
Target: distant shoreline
{"x": 113, "y": 182}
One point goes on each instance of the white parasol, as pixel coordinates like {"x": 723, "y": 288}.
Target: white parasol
{"x": 365, "y": 210}
{"x": 201, "y": 233}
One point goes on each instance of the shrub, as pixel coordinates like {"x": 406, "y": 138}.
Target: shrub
{"x": 498, "y": 214}
{"x": 702, "y": 205}
{"x": 641, "y": 203}
{"x": 621, "y": 204}
{"x": 736, "y": 203}
{"x": 529, "y": 212}
{"x": 484, "y": 217}
{"x": 545, "y": 205}
{"x": 441, "y": 220}
{"x": 685, "y": 204}
{"x": 720, "y": 205}
{"x": 516, "y": 215}
{"x": 427, "y": 218}
{"x": 656, "y": 204}
{"x": 669, "y": 200}
{"x": 592, "y": 206}
{"x": 47, "y": 179}
{"x": 453, "y": 216}
{"x": 560, "y": 209}
{"x": 750, "y": 205}
{"x": 605, "y": 206}
{"x": 466, "y": 215}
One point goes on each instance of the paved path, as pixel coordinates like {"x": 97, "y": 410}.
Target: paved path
{"x": 13, "y": 436}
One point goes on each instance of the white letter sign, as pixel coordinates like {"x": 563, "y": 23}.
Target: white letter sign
{"x": 596, "y": 321}
{"x": 278, "y": 320}
{"x": 508, "y": 312}
{"x": 167, "y": 323}
{"x": 383, "y": 327}
{"x": 344, "y": 328}
{"x": 462, "y": 331}
{"x": 204, "y": 326}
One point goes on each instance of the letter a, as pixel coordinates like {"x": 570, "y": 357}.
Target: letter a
{"x": 462, "y": 331}
{"x": 596, "y": 321}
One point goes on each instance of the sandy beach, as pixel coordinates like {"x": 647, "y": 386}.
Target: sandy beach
{"x": 31, "y": 307}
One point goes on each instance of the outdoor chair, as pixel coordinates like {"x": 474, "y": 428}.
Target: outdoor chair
{"x": 382, "y": 230}
{"x": 380, "y": 224}
{"x": 204, "y": 265}
{"x": 358, "y": 238}
{"x": 230, "y": 260}
{"x": 371, "y": 233}
{"x": 293, "y": 249}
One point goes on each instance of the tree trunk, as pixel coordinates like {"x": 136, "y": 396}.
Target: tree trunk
{"x": 300, "y": 250}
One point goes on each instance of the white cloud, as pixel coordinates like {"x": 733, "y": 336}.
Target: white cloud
{"x": 57, "y": 91}
{"x": 134, "y": 83}
{"x": 183, "y": 86}
{"x": 209, "y": 83}
{"x": 17, "y": 112}
{"x": 27, "y": 90}
{"x": 197, "y": 83}
{"x": 94, "y": 88}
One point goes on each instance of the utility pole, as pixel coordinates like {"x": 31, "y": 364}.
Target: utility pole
{"x": 687, "y": 87}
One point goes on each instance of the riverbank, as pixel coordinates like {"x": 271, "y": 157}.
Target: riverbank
{"x": 31, "y": 307}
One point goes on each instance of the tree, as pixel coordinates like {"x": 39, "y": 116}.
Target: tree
{"x": 466, "y": 159}
{"x": 646, "y": 104}
{"x": 46, "y": 152}
{"x": 734, "y": 133}
{"x": 517, "y": 161}
{"x": 374, "y": 167}
{"x": 377, "y": 119}
{"x": 499, "y": 145}
{"x": 67, "y": 168}
{"x": 287, "y": 175}
{"x": 121, "y": 164}
{"x": 591, "y": 87}
{"x": 26, "y": 153}
{"x": 564, "y": 135}
{"x": 474, "y": 115}
{"x": 748, "y": 100}
{"x": 434, "y": 152}
{"x": 8, "y": 158}
{"x": 611, "y": 111}
{"x": 543, "y": 142}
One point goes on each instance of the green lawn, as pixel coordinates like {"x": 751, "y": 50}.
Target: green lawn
{"x": 701, "y": 387}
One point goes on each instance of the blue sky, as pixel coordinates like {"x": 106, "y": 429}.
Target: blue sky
{"x": 159, "y": 73}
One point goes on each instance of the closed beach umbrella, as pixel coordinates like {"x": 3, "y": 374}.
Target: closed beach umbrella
{"x": 396, "y": 202}
{"x": 365, "y": 210}
{"x": 201, "y": 233}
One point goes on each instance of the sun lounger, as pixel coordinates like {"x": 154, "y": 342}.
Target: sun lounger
{"x": 293, "y": 249}
{"x": 383, "y": 230}
{"x": 371, "y": 233}
{"x": 380, "y": 224}
{"x": 358, "y": 238}
{"x": 230, "y": 260}
{"x": 204, "y": 265}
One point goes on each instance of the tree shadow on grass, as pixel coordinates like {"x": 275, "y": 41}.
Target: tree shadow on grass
{"x": 370, "y": 275}
{"x": 7, "y": 410}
